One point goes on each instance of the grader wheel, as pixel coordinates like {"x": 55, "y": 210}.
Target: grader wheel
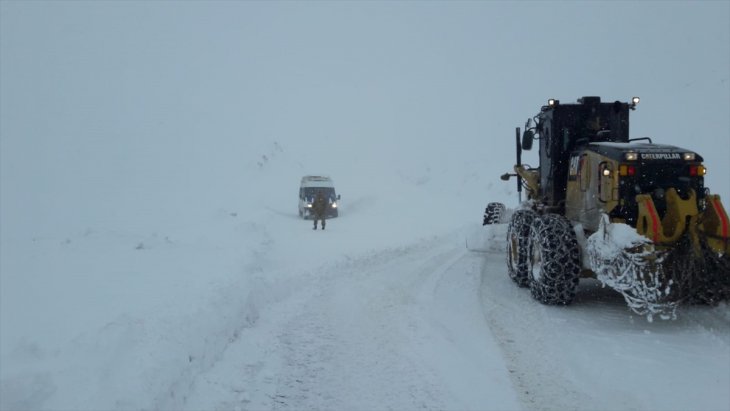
{"x": 555, "y": 260}
{"x": 518, "y": 246}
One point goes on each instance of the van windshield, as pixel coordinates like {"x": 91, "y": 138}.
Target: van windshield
{"x": 311, "y": 192}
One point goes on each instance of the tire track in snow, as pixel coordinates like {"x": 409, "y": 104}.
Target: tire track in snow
{"x": 400, "y": 328}
{"x": 348, "y": 347}
{"x": 519, "y": 325}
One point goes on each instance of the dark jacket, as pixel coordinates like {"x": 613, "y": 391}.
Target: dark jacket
{"x": 319, "y": 206}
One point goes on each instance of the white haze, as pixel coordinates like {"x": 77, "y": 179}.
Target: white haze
{"x": 151, "y": 256}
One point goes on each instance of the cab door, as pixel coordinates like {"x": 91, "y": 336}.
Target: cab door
{"x": 605, "y": 182}
{"x": 574, "y": 196}
{"x": 599, "y": 183}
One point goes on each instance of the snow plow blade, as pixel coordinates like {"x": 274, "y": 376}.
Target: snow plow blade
{"x": 682, "y": 258}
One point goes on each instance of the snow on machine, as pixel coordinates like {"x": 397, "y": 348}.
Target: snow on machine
{"x": 633, "y": 214}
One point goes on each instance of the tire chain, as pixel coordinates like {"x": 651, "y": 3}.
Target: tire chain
{"x": 518, "y": 235}
{"x": 704, "y": 280}
{"x": 560, "y": 260}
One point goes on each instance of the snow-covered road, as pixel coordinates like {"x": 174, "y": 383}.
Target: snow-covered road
{"x": 255, "y": 311}
{"x": 321, "y": 320}
{"x": 434, "y": 326}
{"x": 401, "y": 328}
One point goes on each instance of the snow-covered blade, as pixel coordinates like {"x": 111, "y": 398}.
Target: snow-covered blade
{"x": 628, "y": 262}
{"x": 700, "y": 275}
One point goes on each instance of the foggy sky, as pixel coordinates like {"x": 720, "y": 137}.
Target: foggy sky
{"x": 104, "y": 102}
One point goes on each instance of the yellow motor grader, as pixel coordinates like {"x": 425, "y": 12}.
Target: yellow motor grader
{"x": 634, "y": 214}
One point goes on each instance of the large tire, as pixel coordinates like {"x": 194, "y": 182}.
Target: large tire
{"x": 518, "y": 246}
{"x": 555, "y": 260}
{"x": 493, "y": 213}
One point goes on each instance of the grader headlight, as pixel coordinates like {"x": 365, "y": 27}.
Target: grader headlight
{"x": 634, "y": 102}
{"x": 688, "y": 156}
{"x": 631, "y": 156}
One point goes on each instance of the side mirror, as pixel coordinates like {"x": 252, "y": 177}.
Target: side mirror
{"x": 338, "y": 197}
{"x": 527, "y": 138}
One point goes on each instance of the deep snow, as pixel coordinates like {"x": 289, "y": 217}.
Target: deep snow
{"x": 151, "y": 256}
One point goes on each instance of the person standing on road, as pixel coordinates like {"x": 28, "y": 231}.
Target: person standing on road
{"x": 319, "y": 208}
